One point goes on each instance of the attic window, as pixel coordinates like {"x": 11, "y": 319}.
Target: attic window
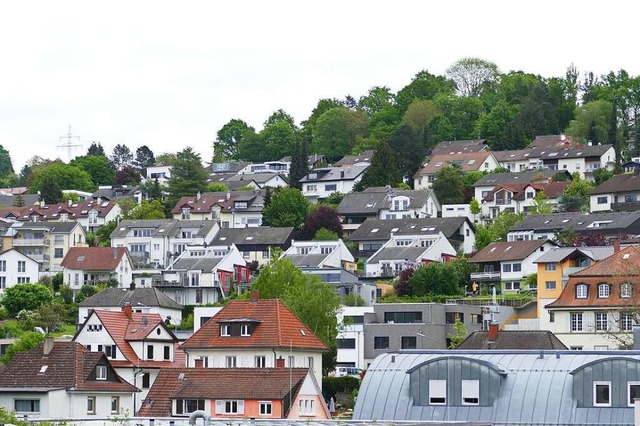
{"x": 626, "y": 256}
{"x": 566, "y": 220}
{"x": 374, "y": 230}
{"x": 249, "y": 238}
{"x": 546, "y": 222}
{"x": 553, "y": 154}
{"x": 508, "y": 248}
{"x": 370, "y": 205}
{"x": 394, "y": 230}
{"x": 80, "y": 259}
{"x": 302, "y": 332}
{"x": 223, "y": 238}
{"x": 43, "y": 369}
{"x": 439, "y": 163}
{"x": 471, "y": 162}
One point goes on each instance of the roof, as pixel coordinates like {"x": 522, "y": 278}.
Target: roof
{"x": 494, "y": 179}
{"x": 398, "y": 253}
{"x": 559, "y": 254}
{"x": 259, "y": 177}
{"x": 349, "y": 160}
{"x": 468, "y": 161}
{"x": 279, "y": 328}
{"x": 53, "y": 211}
{"x": 512, "y": 155}
{"x": 7, "y": 200}
{"x": 113, "y": 297}
{"x": 205, "y": 264}
{"x": 470, "y": 145}
{"x": 625, "y": 262}
{"x": 628, "y": 182}
{"x": 94, "y": 258}
{"x": 307, "y": 260}
{"x": 269, "y": 384}
{"x": 69, "y": 366}
{"x": 579, "y": 222}
{"x": 372, "y": 200}
{"x": 331, "y": 174}
{"x": 508, "y": 339}
{"x": 164, "y": 227}
{"x": 531, "y": 387}
{"x": 432, "y": 225}
{"x": 224, "y": 200}
{"x": 551, "y": 190}
{"x": 550, "y": 141}
{"x": 258, "y": 235}
{"x": 576, "y": 151}
{"x": 502, "y": 251}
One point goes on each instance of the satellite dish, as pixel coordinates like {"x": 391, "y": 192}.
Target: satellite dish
{"x": 145, "y": 322}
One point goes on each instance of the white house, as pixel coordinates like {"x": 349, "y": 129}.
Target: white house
{"x": 619, "y": 193}
{"x": 92, "y": 265}
{"x": 161, "y": 173}
{"x": 467, "y": 161}
{"x": 350, "y": 339}
{"x": 17, "y": 268}
{"x": 320, "y": 254}
{"x": 320, "y": 183}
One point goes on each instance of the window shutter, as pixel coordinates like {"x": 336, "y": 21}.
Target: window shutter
{"x": 241, "y": 406}
{"x": 219, "y": 406}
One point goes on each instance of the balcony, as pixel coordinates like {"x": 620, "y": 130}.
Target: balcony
{"x": 159, "y": 282}
{"x": 40, "y": 258}
{"x": 625, "y": 207}
{"x": 30, "y": 242}
{"x": 486, "y": 276}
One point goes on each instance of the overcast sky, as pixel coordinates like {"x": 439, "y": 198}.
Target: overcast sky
{"x": 171, "y": 74}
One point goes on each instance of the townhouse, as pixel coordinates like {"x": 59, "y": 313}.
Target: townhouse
{"x": 619, "y": 193}
{"x": 255, "y": 243}
{"x": 237, "y": 209}
{"x": 521, "y": 197}
{"x": 17, "y": 268}
{"x": 467, "y": 161}
{"x": 350, "y": 339}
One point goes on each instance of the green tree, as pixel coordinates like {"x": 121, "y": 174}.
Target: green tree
{"x": 447, "y": 185}
{"x": 97, "y": 166}
{"x": 188, "y": 177}
{"x": 276, "y": 140}
{"x": 602, "y": 175}
{"x": 408, "y": 150}
{"x": 50, "y": 317}
{"x": 499, "y": 128}
{"x": 166, "y": 159}
{"x": 541, "y": 204}
{"x": 96, "y": 149}
{"x": 337, "y": 130}
{"x": 418, "y": 115}
{"x": 65, "y": 177}
{"x": 299, "y": 163}
{"x": 154, "y": 190}
{"x": 148, "y": 209}
{"x": 435, "y": 279}
{"x": 6, "y": 168}
{"x": 592, "y": 122}
{"x": 288, "y": 207}
{"x": 576, "y": 196}
{"x": 27, "y": 341}
{"x": 144, "y": 159}
{"x": 458, "y": 118}
{"x": 497, "y": 230}
{"x": 217, "y": 187}
{"x": 382, "y": 171}
{"x": 229, "y": 138}
{"x": 474, "y": 207}
{"x": 50, "y": 191}
{"x": 423, "y": 86}
{"x": 121, "y": 157}
{"x": 26, "y": 296}
{"x": 18, "y": 201}
{"x": 458, "y": 335}
{"x": 323, "y": 234}
{"x": 471, "y": 75}
{"x": 376, "y": 100}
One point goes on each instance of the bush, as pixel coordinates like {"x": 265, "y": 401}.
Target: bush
{"x": 332, "y": 385}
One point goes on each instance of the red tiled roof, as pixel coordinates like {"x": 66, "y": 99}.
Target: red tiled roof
{"x": 94, "y": 258}
{"x": 477, "y": 160}
{"x": 278, "y": 328}
{"x": 52, "y": 211}
{"x": 123, "y": 330}
{"x": 269, "y": 384}
{"x": 68, "y": 366}
{"x": 512, "y": 250}
{"x": 552, "y": 190}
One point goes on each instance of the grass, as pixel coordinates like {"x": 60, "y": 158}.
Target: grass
{"x": 67, "y": 329}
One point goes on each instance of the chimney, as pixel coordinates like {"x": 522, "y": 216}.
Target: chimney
{"x": 493, "y": 332}
{"x": 69, "y": 202}
{"x": 616, "y": 246}
{"x": 115, "y": 252}
{"x": 48, "y": 345}
{"x": 254, "y": 296}
{"x": 280, "y": 362}
{"x": 199, "y": 363}
{"x": 198, "y": 195}
{"x": 342, "y": 174}
{"x": 128, "y": 310}
{"x": 563, "y": 137}
{"x": 228, "y": 195}
{"x": 132, "y": 286}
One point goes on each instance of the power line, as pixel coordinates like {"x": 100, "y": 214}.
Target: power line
{"x": 69, "y": 138}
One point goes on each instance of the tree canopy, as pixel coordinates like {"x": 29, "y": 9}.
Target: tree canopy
{"x": 287, "y": 207}
{"x": 188, "y": 177}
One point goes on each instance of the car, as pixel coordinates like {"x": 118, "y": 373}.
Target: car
{"x": 347, "y": 371}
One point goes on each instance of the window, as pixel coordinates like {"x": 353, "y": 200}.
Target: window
{"x": 101, "y": 372}
{"x": 91, "y": 405}
{"x": 26, "y": 405}
{"x": 3, "y": 266}
{"x": 552, "y": 316}
{"x": 167, "y": 352}
{"x": 437, "y": 392}
{"x": 22, "y": 266}
{"x": 601, "y": 321}
{"x": 470, "y": 392}
{"x": 115, "y": 404}
{"x": 506, "y": 267}
{"x": 550, "y": 285}
{"x": 3, "y": 282}
{"x": 146, "y": 381}
{"x": 626, "y": 321}
{"x": 602, "y": 200}
{"x": 23, "y": 280}
{"x": 307, "y": 407}
{"x": 225, "y": 330}
{"x": 265, "y": 408}
{"x": 402, "y": 317}
{"x": 229, "y": 406}
{"x": 581, "y": 291}
{"x": 260, "y": 361}
{"x": 517, "y": 267}
{"x": 186, "y": 213}
{"x": 409, "y": 342}
{"x": 109, "y": 350}
{"x": 310, "y": 362}
{"x": 602, "y": 394}
{"x": 291, "y": 361}
{"x": 603, "y": 291}
{"x": 549, "y": 266}
{"x": 58, "y": 253}
{"x": 331, "y": 187}
{"x": 312, "y": 188}
{"x": 346, "y": 343}
{"x": 381, "y": 342}
{"x": 512, "y": 285}
{"x": 231, "y": 361}
{"x": 150, "y": 352}
{"x": 451, "y": 317}
{"x": 245, "y": 330}
{"x": 576, "y": 322}
{"x": 633, "y": 391}
{"x": 626, "y": 290}
{"x": 188, "y": 406}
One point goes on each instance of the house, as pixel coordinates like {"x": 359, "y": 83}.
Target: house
{"x": 314, "y": 160}
{"x": 116, "y": 192}
{"x": 255, "y": 243}
{"x": 63, "y": 380}
{"x": 521, "y": 197}
{"x": 508, "y": 387}
{"x": 230, "y": 181}
{"x": 495, "y": 339}
{"x": 142, "y": 300}
{"x": 365, "y": 157}
{"x": 255, "y": 333}
{"x": 459, "y": 147}
{"x": 260, "y": 179}
{"x": 350, "y": 339}
{"x": 154, "y": 243}
{"x": 17, "y": 268}
{"x": 373, "y": 233}
{"x": 551, "y": 141}
{"x": 137, "y": 345}
{"x": 160, "y": 173}
{"x": 8, "y": 199}
{"x": 396, "y": 326}
{"x": 619, "y": 193}
{"x": 278, "y": 167}
{"x": 203, "y": 274}
{"x": 236, "y": 393}
{"x": 320, "y": 183}
{"x": 597, "y": 308}
{"x": 507, "y": 264}
{"x": 401, "y": 252}
{"x": 385, "y": 203}
{"x": 584, "y": 160}
{"x": 320, "y": 254}
{"x": 91, "y": 265}
{"x": 517, "y": 160}
{"x": 554, "y": 268}
{"x": 237, "y": 209}
{"x": 467, "y": 161}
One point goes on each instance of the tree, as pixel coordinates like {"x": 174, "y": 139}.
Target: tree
{"x": 472, "y": 74}
{"x": 418, "y": 115}
{"x": 288, "y": 207}
{"x": 154, "y": 190}
{"x": 19, "y": 201}
{"x": 229, "y": 138}
{"x": 188, "y": 177}
{"x": 458, "y": 335}
{"x": 50, "y": 317}
{"x": 144, "y": 159}
{"x": 96, "y": 149}
{"x": 402, "y": 286}
{"x": 497, "y": 230}
{"x": 97, "y": 166}
{"x": 276, "y": 140}
{"x": 6, "y": 168}
{"x": 29, "y": 340}
{"x": 299, "y": 163}
{"x": 334, "y": 199}
{"x": 322, "y": 217}
{"x": 26, "y": 296}
{"x": 435, "y": 279}
{"x": 447, "y": 185}
{"x": 576, "y": 195}
{"x": 376, "y": 100}
{"x": 474, "y": 207}
{"x": 152, "y": 209}
{"x": 64, "y": 175}
{"x": 217, "y": 187}
{"x": 602, "y": 175}
{"x": 423, "y": 86}
{"x": 382, "y": 171}
{"x": 166, "y": 159}
{"x": 121, "y": 157}
{"x": 103, "y": 233}
{"x": 541, "y": 204}
{"x": 323, "y": 234}
{"x": 128, "y": 175}
{"x": 592, "y": 122}
{"x": 337, "y": 131}
{"x": 408, "y": 151}
{"x": 50, "y": 191}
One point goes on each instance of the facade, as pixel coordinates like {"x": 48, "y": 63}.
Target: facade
{"x": 350, "y": 339}
{"x": 619, "y": 193}
{"x": 483, "y": 161}
{"x": 258, "y": 334}
{"x": 396, "y": 326}
{"x": 160, "y": 173}
{"x": 17, "y": 268}
{"x": 255, "y": 243}
{"x": 237, "y": 393}
{"x": 92, "y": 265}
{"x": 63, "y": 380}
{"x": 521, "y": 198}
{"x": 320, "y": 183}
{"x": 320, "y": 254}
{"x": 237, "y": 209}
{"x": 502, "y": 387}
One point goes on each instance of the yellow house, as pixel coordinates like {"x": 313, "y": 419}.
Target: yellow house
{"x": 554, "y": 268}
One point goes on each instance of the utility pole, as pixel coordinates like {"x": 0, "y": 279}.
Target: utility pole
{"x": 67, "y": 141}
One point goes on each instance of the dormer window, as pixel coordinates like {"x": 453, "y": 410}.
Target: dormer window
{"x": 245, "y": 330}
{"x": 437, "y": 392}
{"x": 186, "y": 213}
{"x": 225, "y": 330}
{"x": 581, "y": 291}
{"x": 603, "y": 291}
{"x": 602, "y": 394}
{"x": 101, "y": 372}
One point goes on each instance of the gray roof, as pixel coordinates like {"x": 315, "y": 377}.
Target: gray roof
{"x": 397, "y": 253}
{"x": 512, "y": 155}
{"x": 494, "y": 179}
{"x": 546, "y": 153}
{"x": 260, "y": 235}
{"x": 347, "y": 160}
{"x": 511, "y": 339}
{"x": 9, "y": 200}
{"x": 579, "y": 222}
{"x": 334, "y": 174}
{"x": 628, "y": 182}
{"x": 164, "y": 227}
{"x": 113, "y": 297}
{"x": 447, "y": 225}
{"x": 306, "y": 260}
{"x": 206, "y": 264}
{"x": 62, "y": 227}
{"x": 558, "y": 254}
{"x": 357, "y": 202}
{"x": 260, "y": 178}
{"x": 516, "y": 387}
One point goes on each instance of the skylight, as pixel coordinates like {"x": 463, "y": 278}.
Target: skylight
{"x": 223, "y": 238}
{"x": 471, "y": 161}
{"x": 44, "y": 367}
{"x": 370, "y": 205}
{"x": 439, "y": 163}
{"x": 80, "y": 259}
{"x": 302, "y": 332}
{"x": 626, "y": 256}
{"x": 249, "y": 238}
{"x": 374, "y": 230}
{"x": 394, "y": 230}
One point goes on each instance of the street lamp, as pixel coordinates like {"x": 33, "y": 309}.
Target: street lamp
{"x": 421, "y": 334}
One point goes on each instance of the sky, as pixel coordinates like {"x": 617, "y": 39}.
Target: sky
{"x": 170, "y": 74}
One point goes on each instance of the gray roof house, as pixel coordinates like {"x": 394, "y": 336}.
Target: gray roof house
{"x": 320, "y": 183}
{"x": 502, "y": 387}
{"x": 255, "y": 243}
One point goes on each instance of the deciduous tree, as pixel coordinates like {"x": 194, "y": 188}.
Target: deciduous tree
{"x": 229, "y": 138}
{"x": 288, "y": 207}
{"x": 26, "y": 296}
{"x": 447, "y": 185}
{"x": 321, "y": 217}
{"x": 97, "y": 166}
{"x": 337, "y": 130}
{"x": 121, "y": 157}
{"x": 63, "y": 175}
{"x": 472, "y": 74}
{"x": 144, "y": 158}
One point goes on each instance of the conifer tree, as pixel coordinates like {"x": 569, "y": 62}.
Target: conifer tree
{"x": 382, "y": 171}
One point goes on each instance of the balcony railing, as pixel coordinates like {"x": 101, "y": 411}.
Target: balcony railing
{"x": 486, "y": 276}
{"x": 625, "y": 207}
{"x": 30, "y": 242}
{"x": 40, "y": 258}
